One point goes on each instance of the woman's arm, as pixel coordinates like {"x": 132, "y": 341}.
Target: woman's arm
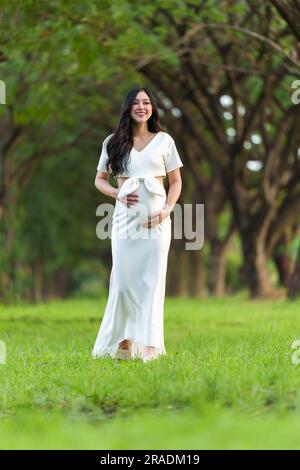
{"x": 102, "y": 184}
{"x": 175, "y": 185}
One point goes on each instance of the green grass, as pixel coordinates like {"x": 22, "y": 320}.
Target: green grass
{"x": 227, "y": 381}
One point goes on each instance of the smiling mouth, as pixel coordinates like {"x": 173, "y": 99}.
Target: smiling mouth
{"x": 141, "y": 114}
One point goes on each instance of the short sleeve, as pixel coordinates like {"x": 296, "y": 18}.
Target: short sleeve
{"x": 103, "y": 157}
{"x": 172, "y": 159}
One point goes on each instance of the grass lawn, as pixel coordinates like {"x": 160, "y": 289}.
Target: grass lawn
{"x": 227, "y": 382}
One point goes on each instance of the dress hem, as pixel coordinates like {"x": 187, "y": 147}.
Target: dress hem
{"x": 137, "y": 351}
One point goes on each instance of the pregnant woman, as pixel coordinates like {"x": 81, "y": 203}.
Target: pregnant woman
{"x": 139, "y": 154}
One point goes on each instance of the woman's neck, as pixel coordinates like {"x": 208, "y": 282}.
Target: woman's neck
{"x": 140, "y": 130}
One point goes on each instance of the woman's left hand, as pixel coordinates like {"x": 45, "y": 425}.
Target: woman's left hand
{"x": 156, "y": 218}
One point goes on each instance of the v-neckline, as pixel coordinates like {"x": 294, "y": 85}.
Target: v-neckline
{"x": 153, "y": 138}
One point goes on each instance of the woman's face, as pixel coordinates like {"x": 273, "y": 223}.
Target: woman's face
{"x": 141, "y": 108}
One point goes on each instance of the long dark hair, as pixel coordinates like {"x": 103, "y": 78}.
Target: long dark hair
{"x": 121, "y": 142}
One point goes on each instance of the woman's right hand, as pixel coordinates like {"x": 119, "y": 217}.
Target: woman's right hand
{"x": 130, "y": 199}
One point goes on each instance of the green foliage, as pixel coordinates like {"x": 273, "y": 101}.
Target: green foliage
{"x": 67, "y": 68}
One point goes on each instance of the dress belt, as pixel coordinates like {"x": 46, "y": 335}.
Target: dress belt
{"x": 132, "y": 183}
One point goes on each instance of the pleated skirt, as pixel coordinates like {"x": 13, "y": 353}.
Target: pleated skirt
{"x": 135, "y": 304}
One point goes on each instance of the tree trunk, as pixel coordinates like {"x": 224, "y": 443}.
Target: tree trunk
{"x": 183, "y": 273}
{"x": 294, "y": 284}
{"x": 171, "y": 281}
{"x": 219, "y": 253}
{"x": 38, "y": 281}
{"x": 198, "y": 281}
{"x": 59, "y": 285}
{"x": 255, "y": 268}
{"x": 281, "y": 257}
{"x": 284, "y": 267}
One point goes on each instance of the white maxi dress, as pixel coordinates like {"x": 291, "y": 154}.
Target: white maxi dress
{"x": 135, "y": 304}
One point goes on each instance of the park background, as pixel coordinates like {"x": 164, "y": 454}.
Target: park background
{"x": 225, "y": 74}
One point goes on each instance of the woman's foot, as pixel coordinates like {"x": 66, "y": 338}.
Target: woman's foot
{"x": 149, "y": 354}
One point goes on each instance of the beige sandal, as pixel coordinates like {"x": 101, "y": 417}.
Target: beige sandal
{"x": 123, "y": 354}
